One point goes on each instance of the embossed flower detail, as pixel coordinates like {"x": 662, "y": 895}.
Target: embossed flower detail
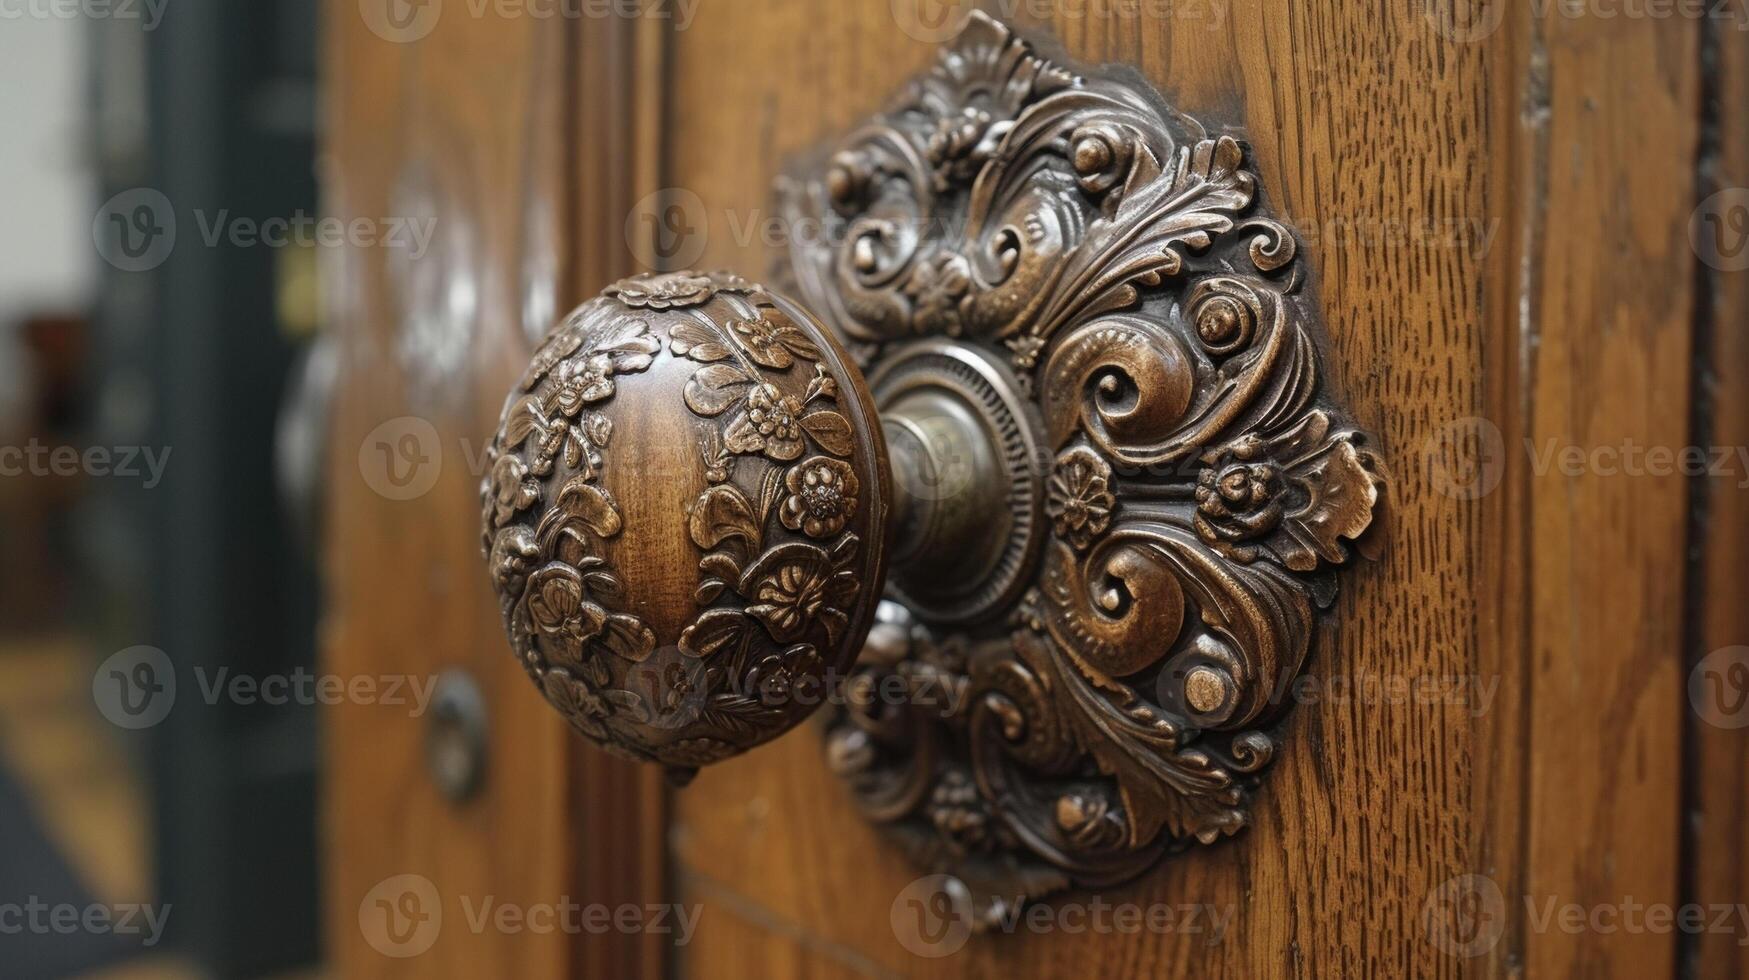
{"x": 564, "y": 340}
{"x": 775, "y": 343}
{"x": 771, "y": 423}
{"x": 559, "y": 608}
{"x": 580, "y": 382}
{"x": 822, "y": 496}
{"x": 941, "y": 290}
{"x": 625, "y": 339}
{"x": 1081, "y": 500}
{"x": 512, "y": 492}
{"x": 554, "y": 420}
{"x": 1297, "y": 495}
{"x": 795, "y": 586}
{"x": 1238, "y": 499}
{"x": 586, "y": 708}
{"x": 556, "y": 436}
{"x": 678, "y": 689}
{"x": 777, "y": 678}
{"x": 663, "y": 290}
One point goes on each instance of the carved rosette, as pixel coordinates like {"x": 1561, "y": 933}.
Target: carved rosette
{"x": 1199, "y": 491}
{"x": 689, "y": 596}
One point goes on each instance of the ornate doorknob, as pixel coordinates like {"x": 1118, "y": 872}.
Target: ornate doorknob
{"x": 689, "y": 513}
{"x": 1062, "y": 553}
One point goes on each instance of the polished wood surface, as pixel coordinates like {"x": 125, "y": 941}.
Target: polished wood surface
{"x": 1608, "y": 360}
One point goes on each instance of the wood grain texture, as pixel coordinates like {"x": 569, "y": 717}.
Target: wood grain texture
{"x": 1609, "y": 362}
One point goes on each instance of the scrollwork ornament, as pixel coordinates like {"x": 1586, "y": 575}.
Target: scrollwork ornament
{"x": 1198, "y": 489}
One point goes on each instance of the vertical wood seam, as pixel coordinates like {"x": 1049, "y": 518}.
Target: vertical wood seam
{"x": 1700, "y": 430}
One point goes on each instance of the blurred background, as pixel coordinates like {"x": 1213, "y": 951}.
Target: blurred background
{"x": 156, "y": 534}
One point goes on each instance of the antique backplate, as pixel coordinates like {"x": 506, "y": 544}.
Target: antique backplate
{"x": 1095, "y": 277}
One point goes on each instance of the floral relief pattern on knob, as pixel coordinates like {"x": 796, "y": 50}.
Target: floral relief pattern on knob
{"x": 784, "y": 540}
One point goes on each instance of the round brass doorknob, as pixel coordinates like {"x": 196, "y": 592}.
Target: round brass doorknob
{"x": 687, "y": 516}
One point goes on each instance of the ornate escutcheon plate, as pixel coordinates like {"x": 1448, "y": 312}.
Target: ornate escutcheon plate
{"x": 1095, "y": 276}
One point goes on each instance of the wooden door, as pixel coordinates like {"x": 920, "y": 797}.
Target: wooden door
{"x": 1498, "y": 204}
